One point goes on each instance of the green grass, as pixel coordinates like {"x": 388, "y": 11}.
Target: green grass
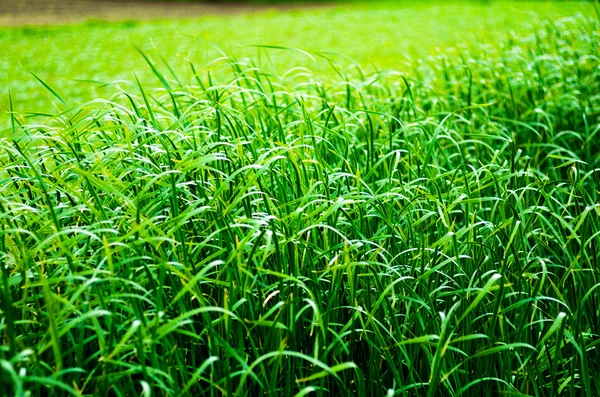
{"x": 377, "y": 35}
{"x": 227, "y": 230}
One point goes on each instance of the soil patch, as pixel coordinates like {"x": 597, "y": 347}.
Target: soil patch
{"x": 51, "y": 12}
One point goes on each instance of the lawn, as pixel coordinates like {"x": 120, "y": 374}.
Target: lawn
{"x": 422, "y": 220}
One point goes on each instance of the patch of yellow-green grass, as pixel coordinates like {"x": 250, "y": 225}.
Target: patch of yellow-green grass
{"x": 376, "y": 35}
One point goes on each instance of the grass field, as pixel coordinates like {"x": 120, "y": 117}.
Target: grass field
{"x": 423, "y": 221}
{"x": 378, "y": 35}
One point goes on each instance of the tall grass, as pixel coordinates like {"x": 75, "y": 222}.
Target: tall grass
{"x": 432, "y": 232}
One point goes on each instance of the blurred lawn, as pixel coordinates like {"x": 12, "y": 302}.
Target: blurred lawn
{"x": 376, "y": 34}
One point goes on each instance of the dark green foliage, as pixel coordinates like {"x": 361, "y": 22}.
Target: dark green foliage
{"x": 432, "y": 233}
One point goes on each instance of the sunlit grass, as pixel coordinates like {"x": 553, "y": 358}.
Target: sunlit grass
{"x": 432, "y": 232}
{"x": 377, "y": 35}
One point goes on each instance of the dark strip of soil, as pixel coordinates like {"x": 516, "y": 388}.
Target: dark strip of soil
{"x": 50, "y": 12}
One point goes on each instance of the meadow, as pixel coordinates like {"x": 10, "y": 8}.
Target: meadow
{"x": 414, "y": 219}
{"x": 83, "y": 61}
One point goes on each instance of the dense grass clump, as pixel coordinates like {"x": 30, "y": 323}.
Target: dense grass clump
{"x": 431, "y": 232}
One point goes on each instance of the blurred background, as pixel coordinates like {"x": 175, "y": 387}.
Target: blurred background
{"x": 38, "y": 12}
{"x": 87, "y": 49}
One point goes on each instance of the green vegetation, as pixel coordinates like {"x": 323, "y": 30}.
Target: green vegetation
{"x": 226, "y": 230}
{"x": 377, "y": 35}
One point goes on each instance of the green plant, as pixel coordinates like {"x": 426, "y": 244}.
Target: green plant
{"x": 429, "y": 233}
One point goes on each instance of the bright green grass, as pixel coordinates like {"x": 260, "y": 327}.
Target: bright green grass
{"x": 377, "y": 35}
{"x": 430, "y": 232}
